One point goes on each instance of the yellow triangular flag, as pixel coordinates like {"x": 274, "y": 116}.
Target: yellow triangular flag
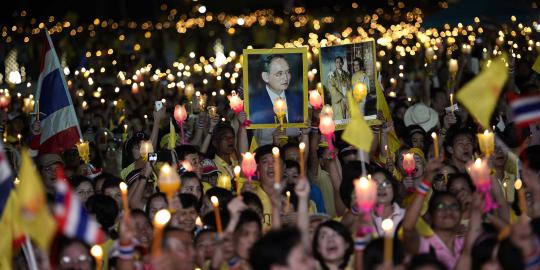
{"x": 9, "y": 226}
{"x": 382, "y": 106}
{"x": 35, "y": 220}
{"x": 172, "y": 136}
{"x": 480, "y": 95}
{"x": 536, "y": 66}
{"x": 357, "y": 132}
{"x": 254, "y": 145}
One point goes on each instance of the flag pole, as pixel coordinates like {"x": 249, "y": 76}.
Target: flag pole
{"x": 28, "y": 251}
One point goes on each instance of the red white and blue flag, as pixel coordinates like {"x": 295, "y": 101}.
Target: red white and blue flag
{"x": 526, "y": 110}
{"x": 6, "y": 180}
{"x": 59, "y": 125}
{"x": 73, "y": 220}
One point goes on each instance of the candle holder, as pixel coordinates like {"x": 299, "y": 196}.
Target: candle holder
{"x": 486, "y": 141}
{"x": 479, "y": 172}
{"x": 84, "y": 151}
{"x": 145, "y": 149}
{"x": 327, "y": 126}
{"x": 359, "y": 92}
{"x": 168, "y": 181}
{"x": 249, "y": 165}
{"x": 315, "y": 99}
{"x": 280, "y": 109}
{"x": 366, "y": 195}
{"x": 212, "y": 112}
{"x": 237, "y": 105}
{"x": 180, "y": 116}
{"x": 224, "y": 181}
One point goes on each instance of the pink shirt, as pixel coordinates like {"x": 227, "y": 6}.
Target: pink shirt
{"x": 445, "y": 255}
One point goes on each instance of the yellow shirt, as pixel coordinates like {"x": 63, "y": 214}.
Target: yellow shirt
{"x": 324, "y": 183}
{"x": 224, "y": 168}
{"x": 265, "y": 200}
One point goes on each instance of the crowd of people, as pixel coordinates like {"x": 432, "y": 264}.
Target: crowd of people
{"x": 285, "y": 216}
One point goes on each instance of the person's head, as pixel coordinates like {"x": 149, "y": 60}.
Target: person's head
{"x": 223, "y": 139}
{"x": 191, "y": 185}
{"x": 186, "y": 215}
{"x": 247, "y": 232}
{"x": 204, "y": 241}
{"x": 439, "y": 100}
{"x": 374, "y": 254}
{"x": 155, "y": 203}
{"x": 332, "y": 244}
{"x": 499, "y": 157}
{"x": 459, "y": 145}
{"x": 111, "y": 187}
{"x": 417, "y": 136}
{"x": 210, "y": 172}
{"x": 253, "y": 203}
{"x": 132, "y": 149}
{"x": 189, "y": 153}
{"x": 445, "y": 211}
{"x": 347, "y": 154}
{"x": 461, "y": 185}
{"x": 358, "y": 64}
{"x": 280, "y": 250}
{"x": 291, "y": 172}
{"x": 291, "y": 151}
{"x": 265, "y": 164}
{"x": 276, "y": 73}
{"x": 179, "y": 244}
{"x": 351, "y": 171}
{"x": 48, "y": 165}
{"x": 83, "y": 186}
{"x": 143, "y": 227}
{"x": 338, "y": 61}
{"x": 74, "y": 254}
{"x": 324, "y": 156}
{"x": 72, "y": 159}
{"x": 425, "y": 262}
{"x": 387, "y": 186}
{"x": 104, "y": 208}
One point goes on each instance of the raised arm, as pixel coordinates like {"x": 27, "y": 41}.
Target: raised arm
{"x": 302, "y": 191}
{"x": 475, "y": 229}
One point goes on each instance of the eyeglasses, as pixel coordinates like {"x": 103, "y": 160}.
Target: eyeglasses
{"x": 451, "y": 207}
{"x": 69, "y": 260}
{"x": 384, "y": 184}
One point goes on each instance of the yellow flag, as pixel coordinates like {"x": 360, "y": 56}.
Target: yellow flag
{"x": 536, "y": 66}
{"x": 172, "y": 136}
{"x": 254, "y": 145}
{"x": 382, "y": 106}
{"x": 35, "y": 218}
{"x": 357, "y": 132}
{"x": 9, "y": 226}
{"x": 480, "y": 95}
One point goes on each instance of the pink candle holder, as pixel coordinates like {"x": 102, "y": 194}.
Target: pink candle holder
{"x": 249, "y": 165}
{"x": 479, "y": 172}
{"x": 237, "y": 105}
{"x": 180, "y": 116}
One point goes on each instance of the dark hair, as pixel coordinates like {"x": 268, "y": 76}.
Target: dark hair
{"x": 248, "y": 216}
{"x": 422, "y": 260}
{"x": 351, "y": 171}
{"x": 127, "y": 157}
{"x": 360, "y": 62}
{"x": 374, "y": 253}
{"x": 224, "y": 196}
{"x": 454, "y": 177}
{"x": 397, "y": 188}
{"x": 209, "y": 219}
{"x": 289, "y": 164}
{"x": 267, "y": 61}
{"x": 184, "y": 150}
{"x": 104, "y": 208}
{"x": 201, "y": 232}
{"x": 262, "y": 151}
{"x": 151, "y": 198}
{"x": 343, "y": 232}
{"x": 252, "y": 198}
{"x": 110, "y": 182}
{"x": 482, "y": 250}
{"x": 510, "y": 256}
{"x": 139, "y": 212}
{"x": 453, "y": 133}
{"x": 76, "y": 180}
{"x": 338, "y": 57}
{"x": 274, "y": 248}
{"x": 287, "y": 146}
{"x": 63, "y": 242}
{"x": 188, "y": 200}
{"x": 191, "y": 175}
{"x": 436, "y": 198}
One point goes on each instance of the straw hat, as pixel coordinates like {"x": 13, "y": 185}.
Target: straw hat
{"x": 422, "y": 115}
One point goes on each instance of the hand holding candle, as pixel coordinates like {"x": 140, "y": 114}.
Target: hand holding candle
{"x": 479, "y": 172}
{"x": 409, "y": 164}
{"x": 486, "y": 141}
{"x": 315, "y": 99}
{"x": 249, "y": 166}
{"x": 388, "y": 227}
{"x": 160, "y": 220}
{"x": 215, "y": 203}
{"x": 277, "y": 168}
{"x": 125, "y": 204}
{"x": 518, "y": 185}
{"x": 97, "y": 253}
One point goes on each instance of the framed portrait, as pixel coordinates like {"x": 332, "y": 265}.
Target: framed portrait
{"x": 275, "y": 76}
{"x": 342, "y": 67}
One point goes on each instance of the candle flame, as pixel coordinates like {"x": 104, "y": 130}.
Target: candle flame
{"x": 215, "y": 201}
{"x": 433, "y": 135}
{"x": 302, "y": 146}
{"x": 237, "y": 170}
{"x": 162, "y": 217}
{"x": 518, "y": 184}
{"x": 387, "y": 225}
{"x": 275, "y": 151}
{"x": 123, "y": 187}
{"x": 96, "y": 251}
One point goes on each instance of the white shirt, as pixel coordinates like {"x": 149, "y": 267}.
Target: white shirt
{"x": 274, "y": 96}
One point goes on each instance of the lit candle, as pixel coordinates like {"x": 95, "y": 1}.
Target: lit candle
{"x": 19, "y": 136}
{"x": 466, "y": 49}
{"x": 359, "y": 92}
{"x": 168, "y": 181}
{"x": 288, "y": 206}
{"x": 505, "y": 184}
{"x": 277, "y": 167}
{"x": 486, "y": 142}
{"x": 215, "y": 203}
{"x": 386, "y": 150}
{"x": 280, "y": 109}
{"x": 409, "y": 164}
{"x": 518, "y": 185}
{"x": 366, "y": 194}
{"x": 180, "y": 115}
{"x": 453, "y": 67}
{"x": 125, "y": 134}
{"x": 301, "y": 160}
{"x": 97, "y": 253}
{"x": 189, "y": 91}
{"x": 224, "y": 181}
{"x": 393, "y": 82}
{"x": 145, "y": 149}
{"x": 327, "y": 126}
{"x": 160, "y": 220}
{"x": 249, "y": 165}
{"x": 84, "y": 151}
{"x": 212, "y": 111}
{"x": 388, "y": 227}
{"x": 452, "y": 102}
{"x": 315, "y": 99}
{"x": 202, "y": 102}
{"x": 435, "y": 144}
{"x": 429, "y": 54}
{"x": 480, "y": 174}
{"x": 236, "y": 103}
{"x": 237, "y": 170}
{"x": 125, "y": 204}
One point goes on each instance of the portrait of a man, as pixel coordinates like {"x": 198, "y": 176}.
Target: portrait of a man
{"x": 271, "y": 77}
{"x": 342, "y": 67}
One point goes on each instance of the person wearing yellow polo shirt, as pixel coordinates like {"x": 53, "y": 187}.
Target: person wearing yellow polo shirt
{"x": 228, "y": 147}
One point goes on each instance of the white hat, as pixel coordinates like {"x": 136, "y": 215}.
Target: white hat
{"x": 422, "y": 115}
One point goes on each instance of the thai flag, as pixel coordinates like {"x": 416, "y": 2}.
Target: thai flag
{"x": 6, "y": 180}
{"x": 73, "y": 220}
{"x": 59, "y": 126}
{"x": 526, "y": 110}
